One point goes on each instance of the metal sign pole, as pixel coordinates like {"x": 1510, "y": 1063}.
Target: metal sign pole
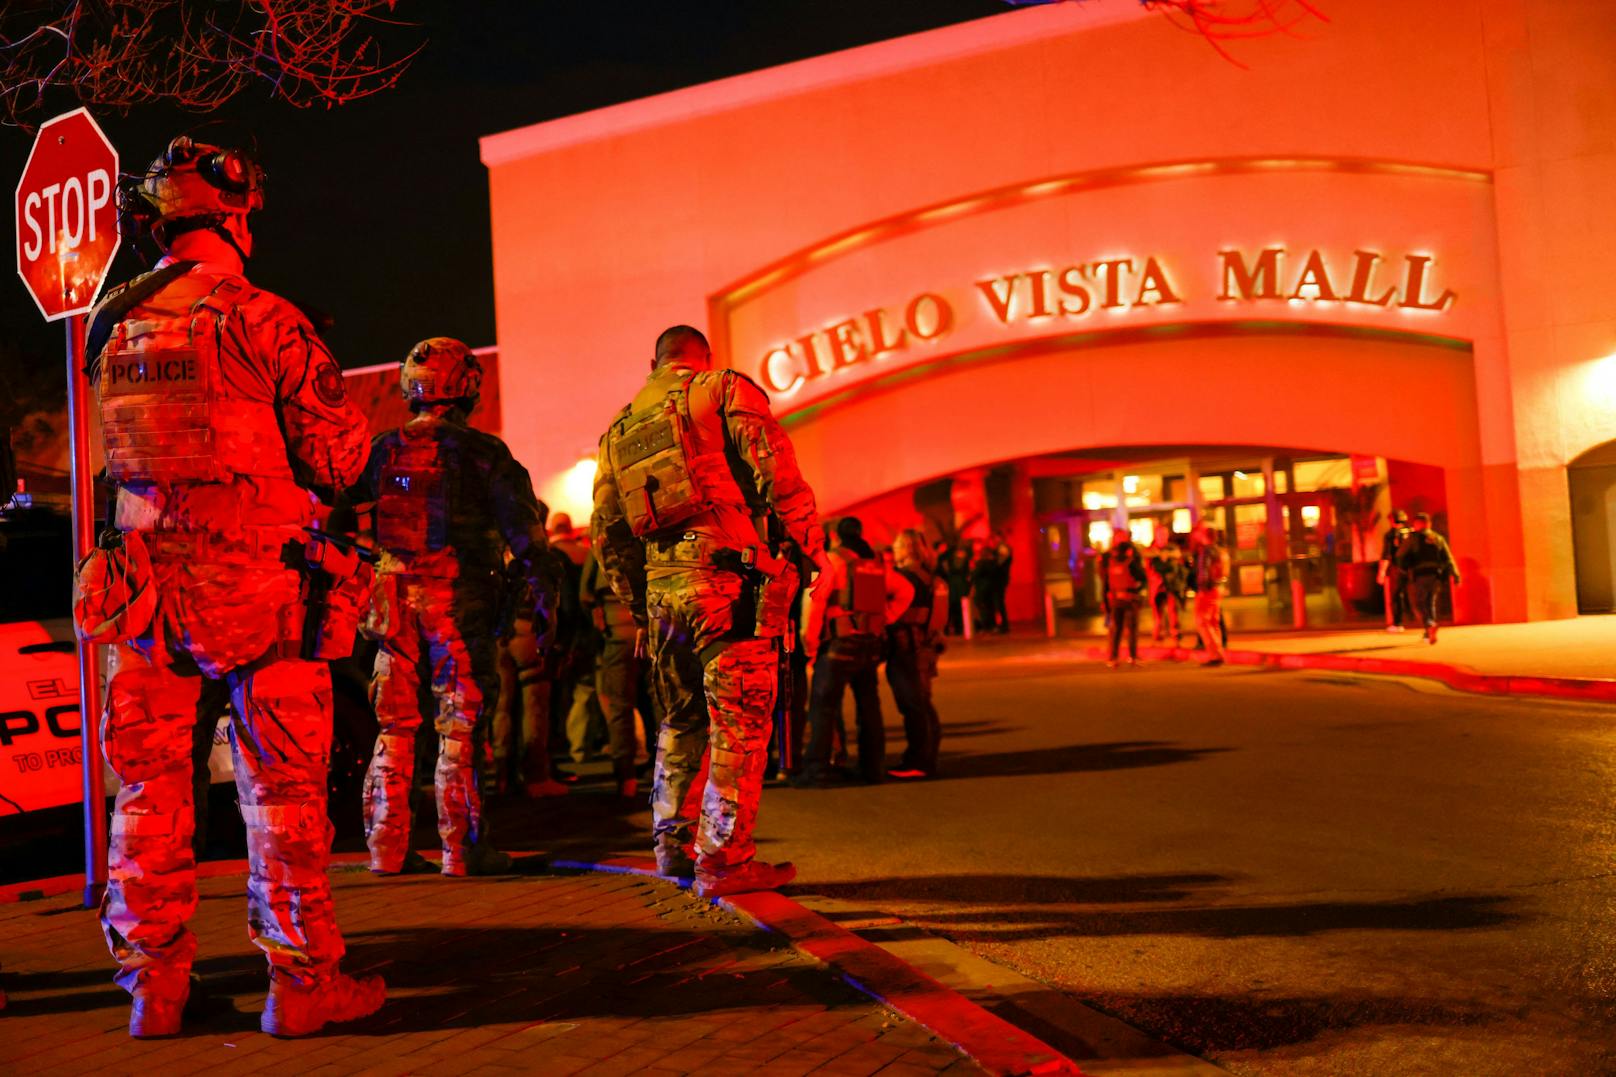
{"x": 95, "y": 794}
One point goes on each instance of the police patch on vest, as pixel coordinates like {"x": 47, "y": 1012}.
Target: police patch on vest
{"x": 328, "y": 385}
{"x": 127, "y": 373}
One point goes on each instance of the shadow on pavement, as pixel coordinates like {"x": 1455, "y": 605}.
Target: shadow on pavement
{"x": 1070, "y": 759}
{"x": 1017, "y": 889}
{"x": 1213, "y": 1025}
{"x": 1224, "y": 922}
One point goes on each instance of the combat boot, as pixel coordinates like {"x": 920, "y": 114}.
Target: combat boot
{"x": 672, "y": 862}
{"x": 294, "y": 1010}
{"x": 744, "y": 879}
{"x": 414, "y": 864}
{"x": 155, "y": 1014}
{"x": 477, "y": 860}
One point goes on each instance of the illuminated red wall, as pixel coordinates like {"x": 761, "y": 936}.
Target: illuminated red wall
{"x": 1476, "y": 138}
{"x": 374, "y": 390}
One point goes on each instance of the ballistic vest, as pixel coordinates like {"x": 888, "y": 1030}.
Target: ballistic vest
{"x": 929, "y": 605}
{"x": 166, "y": 413}
{"x": 1119, "y": 577}
{"x": 859, "y": 606}
{"x": 671, "y": 458}
{"x": 431, "y": 496}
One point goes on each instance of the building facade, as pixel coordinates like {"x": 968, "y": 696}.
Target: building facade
{"x": 1068, "y": 271}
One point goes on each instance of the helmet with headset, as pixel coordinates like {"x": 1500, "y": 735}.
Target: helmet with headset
{"x": 194, "y": 184}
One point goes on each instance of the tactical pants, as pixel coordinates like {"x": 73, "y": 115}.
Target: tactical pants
{"x": 716, "y": 695}
{"x": 1125, "y": 622}
{"x": 849, "y": 661}
{"x": 451, "y": 628}
{"x": 1167, "y": 605}
{"x": 1427, "y": 588}
{"x": 911, "y": 668}
{"x": 523, "y": 686}
{"x": 584, "y": 717}
{"x": 617, "y": 679}
{"x": 1209, "y": 621}
{"x": 1397, "y": 588}
{"x": 280, "y": 737}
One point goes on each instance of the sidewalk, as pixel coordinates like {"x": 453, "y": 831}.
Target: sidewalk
{"x": 1571, "y": 659}
{"x": 557, "y": 973}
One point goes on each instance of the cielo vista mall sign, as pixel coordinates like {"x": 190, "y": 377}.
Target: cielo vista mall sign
{"x": 940, "y": 267}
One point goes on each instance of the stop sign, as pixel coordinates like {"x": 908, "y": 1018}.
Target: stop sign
{"x": 67, "y": 217}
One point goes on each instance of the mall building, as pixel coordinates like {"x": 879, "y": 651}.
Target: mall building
{"x": 1071, "y": 271}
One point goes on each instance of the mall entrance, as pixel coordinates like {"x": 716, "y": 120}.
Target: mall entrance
{"x": 1303, "y": 531}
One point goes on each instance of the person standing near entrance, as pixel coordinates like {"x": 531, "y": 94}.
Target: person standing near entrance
{"x": 914, "y": 640}
{"x": 1425, "y": 556}
{"x": 1209, "y": 574}
{"x": 1169, "y": 580}
{"x": 1392, "y": 578}
{"x": 697, "y": 498}
{"x": 1124, "y": 573}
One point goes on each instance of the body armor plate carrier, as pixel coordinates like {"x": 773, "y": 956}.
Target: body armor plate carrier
{"x": 663, "y": 479}
{"x": 862, "y": 600}
{"x": 412, "y": 509}
{"x": 164, "y": 416}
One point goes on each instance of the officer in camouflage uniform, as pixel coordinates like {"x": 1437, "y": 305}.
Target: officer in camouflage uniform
{"x": 694, "y": 475}
{"x": 448, "y": 501}
{"x": 617, "y": 671}
{"x": 222, "y": 415}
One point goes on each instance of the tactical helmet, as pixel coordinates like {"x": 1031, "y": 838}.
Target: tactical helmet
{"x": 198, "y": 179}
{"x": 439, "y": 370}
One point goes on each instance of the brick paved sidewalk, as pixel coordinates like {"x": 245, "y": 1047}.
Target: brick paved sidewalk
{"x": 608, "y": 974}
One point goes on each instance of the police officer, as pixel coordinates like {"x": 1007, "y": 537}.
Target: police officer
{"x": 1427, "y": 560}
{"x": 617, "y": 670}
{"x": 448, "y": 502}
{"x": 1391, "y": 577}
{"x": 844, "y": 630}
{"x": 696, "y": 495}
{"x": 223, "y": 415}
{"x": 914, "y": 640}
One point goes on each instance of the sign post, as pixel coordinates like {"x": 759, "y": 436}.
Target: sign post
{"x": 67, "y": 234}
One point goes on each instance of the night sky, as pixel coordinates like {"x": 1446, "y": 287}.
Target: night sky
{"x": 377, "y": 211}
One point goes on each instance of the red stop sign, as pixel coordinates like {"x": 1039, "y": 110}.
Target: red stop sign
{"x": 67, "y": 215}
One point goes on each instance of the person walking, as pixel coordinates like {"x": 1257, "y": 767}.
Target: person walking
{"x": 697, "y": 496}
{"x": 1393, "y": 580}
{"x": 914, "y": 641}
{"x": 1209, "y": 574}
{"x": 216, "y": 465}
{"x": 1124, "y": 573}
{"x": 1427, "y": 559}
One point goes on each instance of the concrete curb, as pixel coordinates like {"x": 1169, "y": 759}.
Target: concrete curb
{"x": 991, "y": 1042}
{"x": 1459, "y": 678}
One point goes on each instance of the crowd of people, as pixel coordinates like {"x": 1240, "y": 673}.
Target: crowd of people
{"x": 708, "y": 619}
{"x": 1169, "y": 578}
{"x": 257, "y": 532}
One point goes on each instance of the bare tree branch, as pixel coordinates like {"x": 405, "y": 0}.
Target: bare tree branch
{"x": 196, "y": 54}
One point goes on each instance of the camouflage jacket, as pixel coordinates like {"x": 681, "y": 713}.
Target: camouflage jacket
{"x": 756, "y": 446}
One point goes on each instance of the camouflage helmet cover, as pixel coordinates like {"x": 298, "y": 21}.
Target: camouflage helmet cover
{"x": 438, "y": 370}
{"x": 199, "y": 179}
